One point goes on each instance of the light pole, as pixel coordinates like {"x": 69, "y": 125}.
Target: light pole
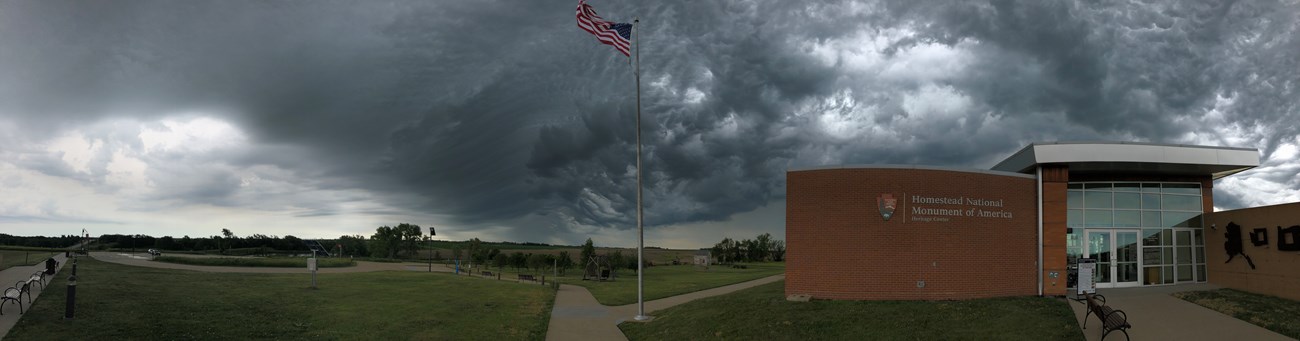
{"x": 430, "y": 247}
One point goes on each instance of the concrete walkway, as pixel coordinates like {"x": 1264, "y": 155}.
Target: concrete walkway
{"x": 21, "y": 273}
{"x": 1156, "y": 315}
{"x": 578, "y": 316}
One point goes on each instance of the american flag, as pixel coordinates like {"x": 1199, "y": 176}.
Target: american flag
{"x": 618, "y": 35}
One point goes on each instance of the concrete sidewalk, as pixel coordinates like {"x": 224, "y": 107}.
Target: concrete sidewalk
{"x": 1156, "y": 315}
{"x": 578, "y": 316}
{"x": 21, "y": 273}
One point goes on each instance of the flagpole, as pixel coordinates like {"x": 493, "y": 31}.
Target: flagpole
{"x": 640, "y": 231}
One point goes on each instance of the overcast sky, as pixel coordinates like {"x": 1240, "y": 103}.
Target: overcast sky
{"x": 503, "y": 120}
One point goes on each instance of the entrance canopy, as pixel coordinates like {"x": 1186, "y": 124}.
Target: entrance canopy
{"x": 1133, "y": 158}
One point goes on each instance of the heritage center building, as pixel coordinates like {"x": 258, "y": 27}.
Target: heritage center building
{"x": 1144, "y": 212}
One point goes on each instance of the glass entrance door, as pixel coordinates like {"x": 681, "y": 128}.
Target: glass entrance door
{"x": 1116, "y": 253}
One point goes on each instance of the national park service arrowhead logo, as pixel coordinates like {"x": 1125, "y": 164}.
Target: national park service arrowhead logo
{"x": 887, "y": 205}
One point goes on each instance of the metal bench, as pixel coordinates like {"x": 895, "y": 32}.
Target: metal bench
{"x": 1111, "y": 319}
{"x": 39, "y": 278}
{"x": 486, "y": 273}
{"x": 523, "y": 277}
{"x": 16, "y": 294}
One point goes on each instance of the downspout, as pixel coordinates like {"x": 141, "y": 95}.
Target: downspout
{"x": 1040, "y": 229}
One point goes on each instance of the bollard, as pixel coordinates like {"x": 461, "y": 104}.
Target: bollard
{"x": 72, "y": 297}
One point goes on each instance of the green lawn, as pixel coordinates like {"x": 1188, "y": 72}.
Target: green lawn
{"x": 273, "y": 262}
{"x": 12, "y": 258}
{"x": 116, "y": 302}
{"x": 762, "y": 313}
{"x": 1273, "y": 313}
{"x": 667, "y": 281}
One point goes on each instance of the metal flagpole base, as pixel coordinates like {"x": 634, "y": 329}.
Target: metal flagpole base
{"x": 643, "y": 318}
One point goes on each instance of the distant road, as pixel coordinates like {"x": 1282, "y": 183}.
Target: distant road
{"x": 362, "y": 266}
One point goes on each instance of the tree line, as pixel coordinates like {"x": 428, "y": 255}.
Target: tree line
{"x": 761, "y": 248}
{"x": 222, "y": 243}
{"x": 40, "y": 241}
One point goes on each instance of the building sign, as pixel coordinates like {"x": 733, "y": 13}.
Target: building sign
{"x": 942, "y": 209}
{"x": 887, "y": 204}
{"x": 1087, "y": 267}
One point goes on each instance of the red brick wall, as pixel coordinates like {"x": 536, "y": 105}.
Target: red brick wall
{"x": 839, "y": 246}
{"x": 1055, "y": 207}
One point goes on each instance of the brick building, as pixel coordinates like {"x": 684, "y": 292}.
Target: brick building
{"x": 914, "y": 232}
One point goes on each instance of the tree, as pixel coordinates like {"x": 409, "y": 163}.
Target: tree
{"x": 386, "y": 242}
{"x": 409, "y": 235}
{"x": 615, "y": 261}
{"x": 229, "y": 236}
{"x": 436, "y": 255}
{"x": 564, "y": 262}
{"x": 500, "y": 261}
{"x": 518, "y": 260}
{"x": 588, "y": 250}
{"x": 475, "y": 249}
{"x": 762, "y": 246}
{"x": 455, "y": 252}
{"x": 354, "y": 245}
{"x": 778, "y": 250}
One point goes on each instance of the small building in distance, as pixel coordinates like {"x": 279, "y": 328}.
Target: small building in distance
{"x": 702, "y": 257}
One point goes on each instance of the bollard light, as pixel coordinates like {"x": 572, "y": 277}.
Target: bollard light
{"x": 72, "y": 297}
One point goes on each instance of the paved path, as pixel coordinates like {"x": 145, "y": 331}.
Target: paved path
{"x": 578, "y": 316}
{"x": 362, "y": 266}
{"x": 1155, "y": 315}
{"x": 20, "y": 273}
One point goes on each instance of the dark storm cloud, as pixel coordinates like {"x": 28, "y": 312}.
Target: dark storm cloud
{"x": 506, "y": 114}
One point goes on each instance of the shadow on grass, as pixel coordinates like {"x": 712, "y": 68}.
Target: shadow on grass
{"x": 762, "y": 313}
{"x": 1277, "y": 314}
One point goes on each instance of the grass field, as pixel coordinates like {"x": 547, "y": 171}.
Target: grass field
{"x": 666, "y": 281}
{"x": 762, "y": 313}
{"x": 12, "y": 258}
{"x": 116, "y": 302}
{"x": 275, "y": 262}
{"x": 1273, "y": 313}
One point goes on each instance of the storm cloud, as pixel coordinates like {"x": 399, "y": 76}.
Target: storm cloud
{"x": 504, "y": 120}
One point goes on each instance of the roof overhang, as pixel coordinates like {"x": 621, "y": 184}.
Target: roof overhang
{"x": 1129, "y": 157}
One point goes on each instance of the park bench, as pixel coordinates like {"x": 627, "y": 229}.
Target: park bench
{"x": 39, "y": 278}
{"x": 523, "y": 277}
{"x": 486, "y": 273}
{"x": 1111, "y": 319}
{"x": 16, "y": 294}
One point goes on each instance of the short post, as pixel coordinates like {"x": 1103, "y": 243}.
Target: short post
{"x": 71, "y": 309}
{"x": 311, "y": 265}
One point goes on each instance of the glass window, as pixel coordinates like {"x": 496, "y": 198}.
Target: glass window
{"x": 1098, "y": 218}
{"x": 1074, "y": 218}
{"x": 1166, "y": 237}
{"x": 1097, "y": 199}
{"x": 1151, "y": 219}
{"x": 1181, "y": 202}
{"x": 1101, "y": 186}
{"x": 1167, "y": 256}
{"x": 1169, "y": 274}
{"x": 1072, "y": 237}
{"x": 1198, "y": 239}
{"x": 1127, "y": 200}
{"x": 1125, "y": 218}
{"x": 1151, "y": 237}
{"x": 1074, "y": 199}
{"x": 1151, "y": 255}
{"x": 1182, "y": 219}
{"x": 1150, "y": 201}
{"x": 1074, "y": 186}
{"x": 1194, "y": 189}
{"x": 1184, "y": 273}
{"x": 1151, "y": 188}
{"x": 1127, "y": 187}
{"x": 1200, "y": 273}
{"x": 1200, "y": 254}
